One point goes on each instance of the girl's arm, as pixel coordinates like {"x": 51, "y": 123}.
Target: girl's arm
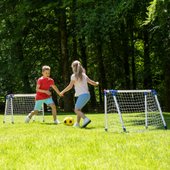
{"x": 69, "y": 87}
{"x": 93, "y": 83}
{"x": 56, "y": 89}
{"x": 42, "y": 91}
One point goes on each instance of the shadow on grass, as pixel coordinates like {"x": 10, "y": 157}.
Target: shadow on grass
{"x": 86, "y": 128}
{"x": 89, "y": 128}
{"x": 46, "y": 123}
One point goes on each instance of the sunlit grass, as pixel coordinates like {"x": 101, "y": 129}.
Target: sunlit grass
{"x": 44, "y": 146}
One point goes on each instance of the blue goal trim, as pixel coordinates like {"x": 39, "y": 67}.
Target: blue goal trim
{"x": 114, "y": 92}
{"x": 154, "y": 92}
{"x": 9, "y": 96}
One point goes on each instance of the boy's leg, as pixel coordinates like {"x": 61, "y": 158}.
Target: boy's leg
{"x": 38, "y": 105}
{"x": 50, "y": 102}
{"x": 54, "y": 111}
{"x": 34, "y": 112}
{"x": 28, "y": 118}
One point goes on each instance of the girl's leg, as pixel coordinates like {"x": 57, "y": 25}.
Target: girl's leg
{"x": 80, "y": 114}
{"x": 80, "y": 103}
{"x": 78, "y": 119}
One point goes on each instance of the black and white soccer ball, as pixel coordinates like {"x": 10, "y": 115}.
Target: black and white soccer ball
{"x": 69, "y": 121}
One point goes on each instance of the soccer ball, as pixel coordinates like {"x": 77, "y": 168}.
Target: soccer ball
{"x": 69, "y": 121}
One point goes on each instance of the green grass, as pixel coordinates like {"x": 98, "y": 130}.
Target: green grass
{"x": 45, "y": 146}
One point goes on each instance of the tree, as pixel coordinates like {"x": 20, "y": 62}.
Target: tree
{"x": 118, "y": 43}
{"x": 158, "y": 22}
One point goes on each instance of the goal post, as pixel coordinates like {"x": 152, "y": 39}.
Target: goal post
{"x": 17, "y": 104}
{"x": 135, "y": 109}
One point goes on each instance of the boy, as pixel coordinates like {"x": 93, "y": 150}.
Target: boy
{"x": 43, "y": 95}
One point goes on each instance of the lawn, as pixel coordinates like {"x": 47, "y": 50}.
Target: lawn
{"x": 45, "y": 146}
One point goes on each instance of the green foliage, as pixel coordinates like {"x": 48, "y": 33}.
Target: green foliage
{"x": 158, "y": 23}
{"x": 151, "y": 12}
{"x": 112, "y": 38}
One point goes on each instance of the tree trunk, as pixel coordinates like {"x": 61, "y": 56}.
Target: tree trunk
{"x": 127, "y": 71}
{"x": 74, "y": 5}
{"x": 167, "y": 86}
{"x": 147, "y": 62}
{"x": 84, "y": 63}
{"x": 102, "y": 77}
{"x": 167, "y": 68}
{"x": 131, "y": 22}
{"x": 133, "y": 70}
{"x": 68, "y": 97}
{"x": 125, "y": 56}
{"x": 83, "y": 53}
{"x": 23, "y": 68}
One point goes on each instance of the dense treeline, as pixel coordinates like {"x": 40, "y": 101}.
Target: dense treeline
{"x": 122, "y": 44}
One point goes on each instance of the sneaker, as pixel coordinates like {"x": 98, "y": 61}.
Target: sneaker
{"x": 27, "y": 120}
{"x": 86, "y": 122}
{"x": 56, "y": 121}
{"x": 76, "y": 125}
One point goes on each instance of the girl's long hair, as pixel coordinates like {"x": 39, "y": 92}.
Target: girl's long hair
{"x": 78, "y": 70}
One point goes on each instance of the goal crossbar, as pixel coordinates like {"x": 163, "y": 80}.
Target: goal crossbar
{"x": 22, "y": 95}
{"x": 130, "y": 91}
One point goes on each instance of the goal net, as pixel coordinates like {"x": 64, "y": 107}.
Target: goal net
{"x": 132, "y": 110}
{"x": 17, "y": 104}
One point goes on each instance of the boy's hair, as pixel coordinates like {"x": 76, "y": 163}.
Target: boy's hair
{"x": 77, "y": 69}
{"x": 45, "y": 68}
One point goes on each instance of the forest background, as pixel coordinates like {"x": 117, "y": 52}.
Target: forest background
{"x": 123, "y": 44}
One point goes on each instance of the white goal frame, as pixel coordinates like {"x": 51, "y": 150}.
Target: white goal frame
{"x": 9, "y": 101}
{"x": 145, "y": 92}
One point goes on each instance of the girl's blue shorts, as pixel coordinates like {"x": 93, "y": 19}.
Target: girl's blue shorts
{"x": 82, "y": 100}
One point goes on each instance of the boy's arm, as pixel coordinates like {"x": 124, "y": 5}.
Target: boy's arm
{"x": 93, "y": 83}
{"x": 56, "y": 89}
{"x": 69, "y": 87}
{"x": 42, "y": 91}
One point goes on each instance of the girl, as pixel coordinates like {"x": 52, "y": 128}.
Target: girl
{"x": 79, "y": 79}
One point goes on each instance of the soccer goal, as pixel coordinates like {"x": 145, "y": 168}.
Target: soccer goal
{"x": 17, "y": 104}
{"x": 132, "y": 110}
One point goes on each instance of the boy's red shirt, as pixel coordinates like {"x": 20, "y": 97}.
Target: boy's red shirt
{"x": 45, "y": 84}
